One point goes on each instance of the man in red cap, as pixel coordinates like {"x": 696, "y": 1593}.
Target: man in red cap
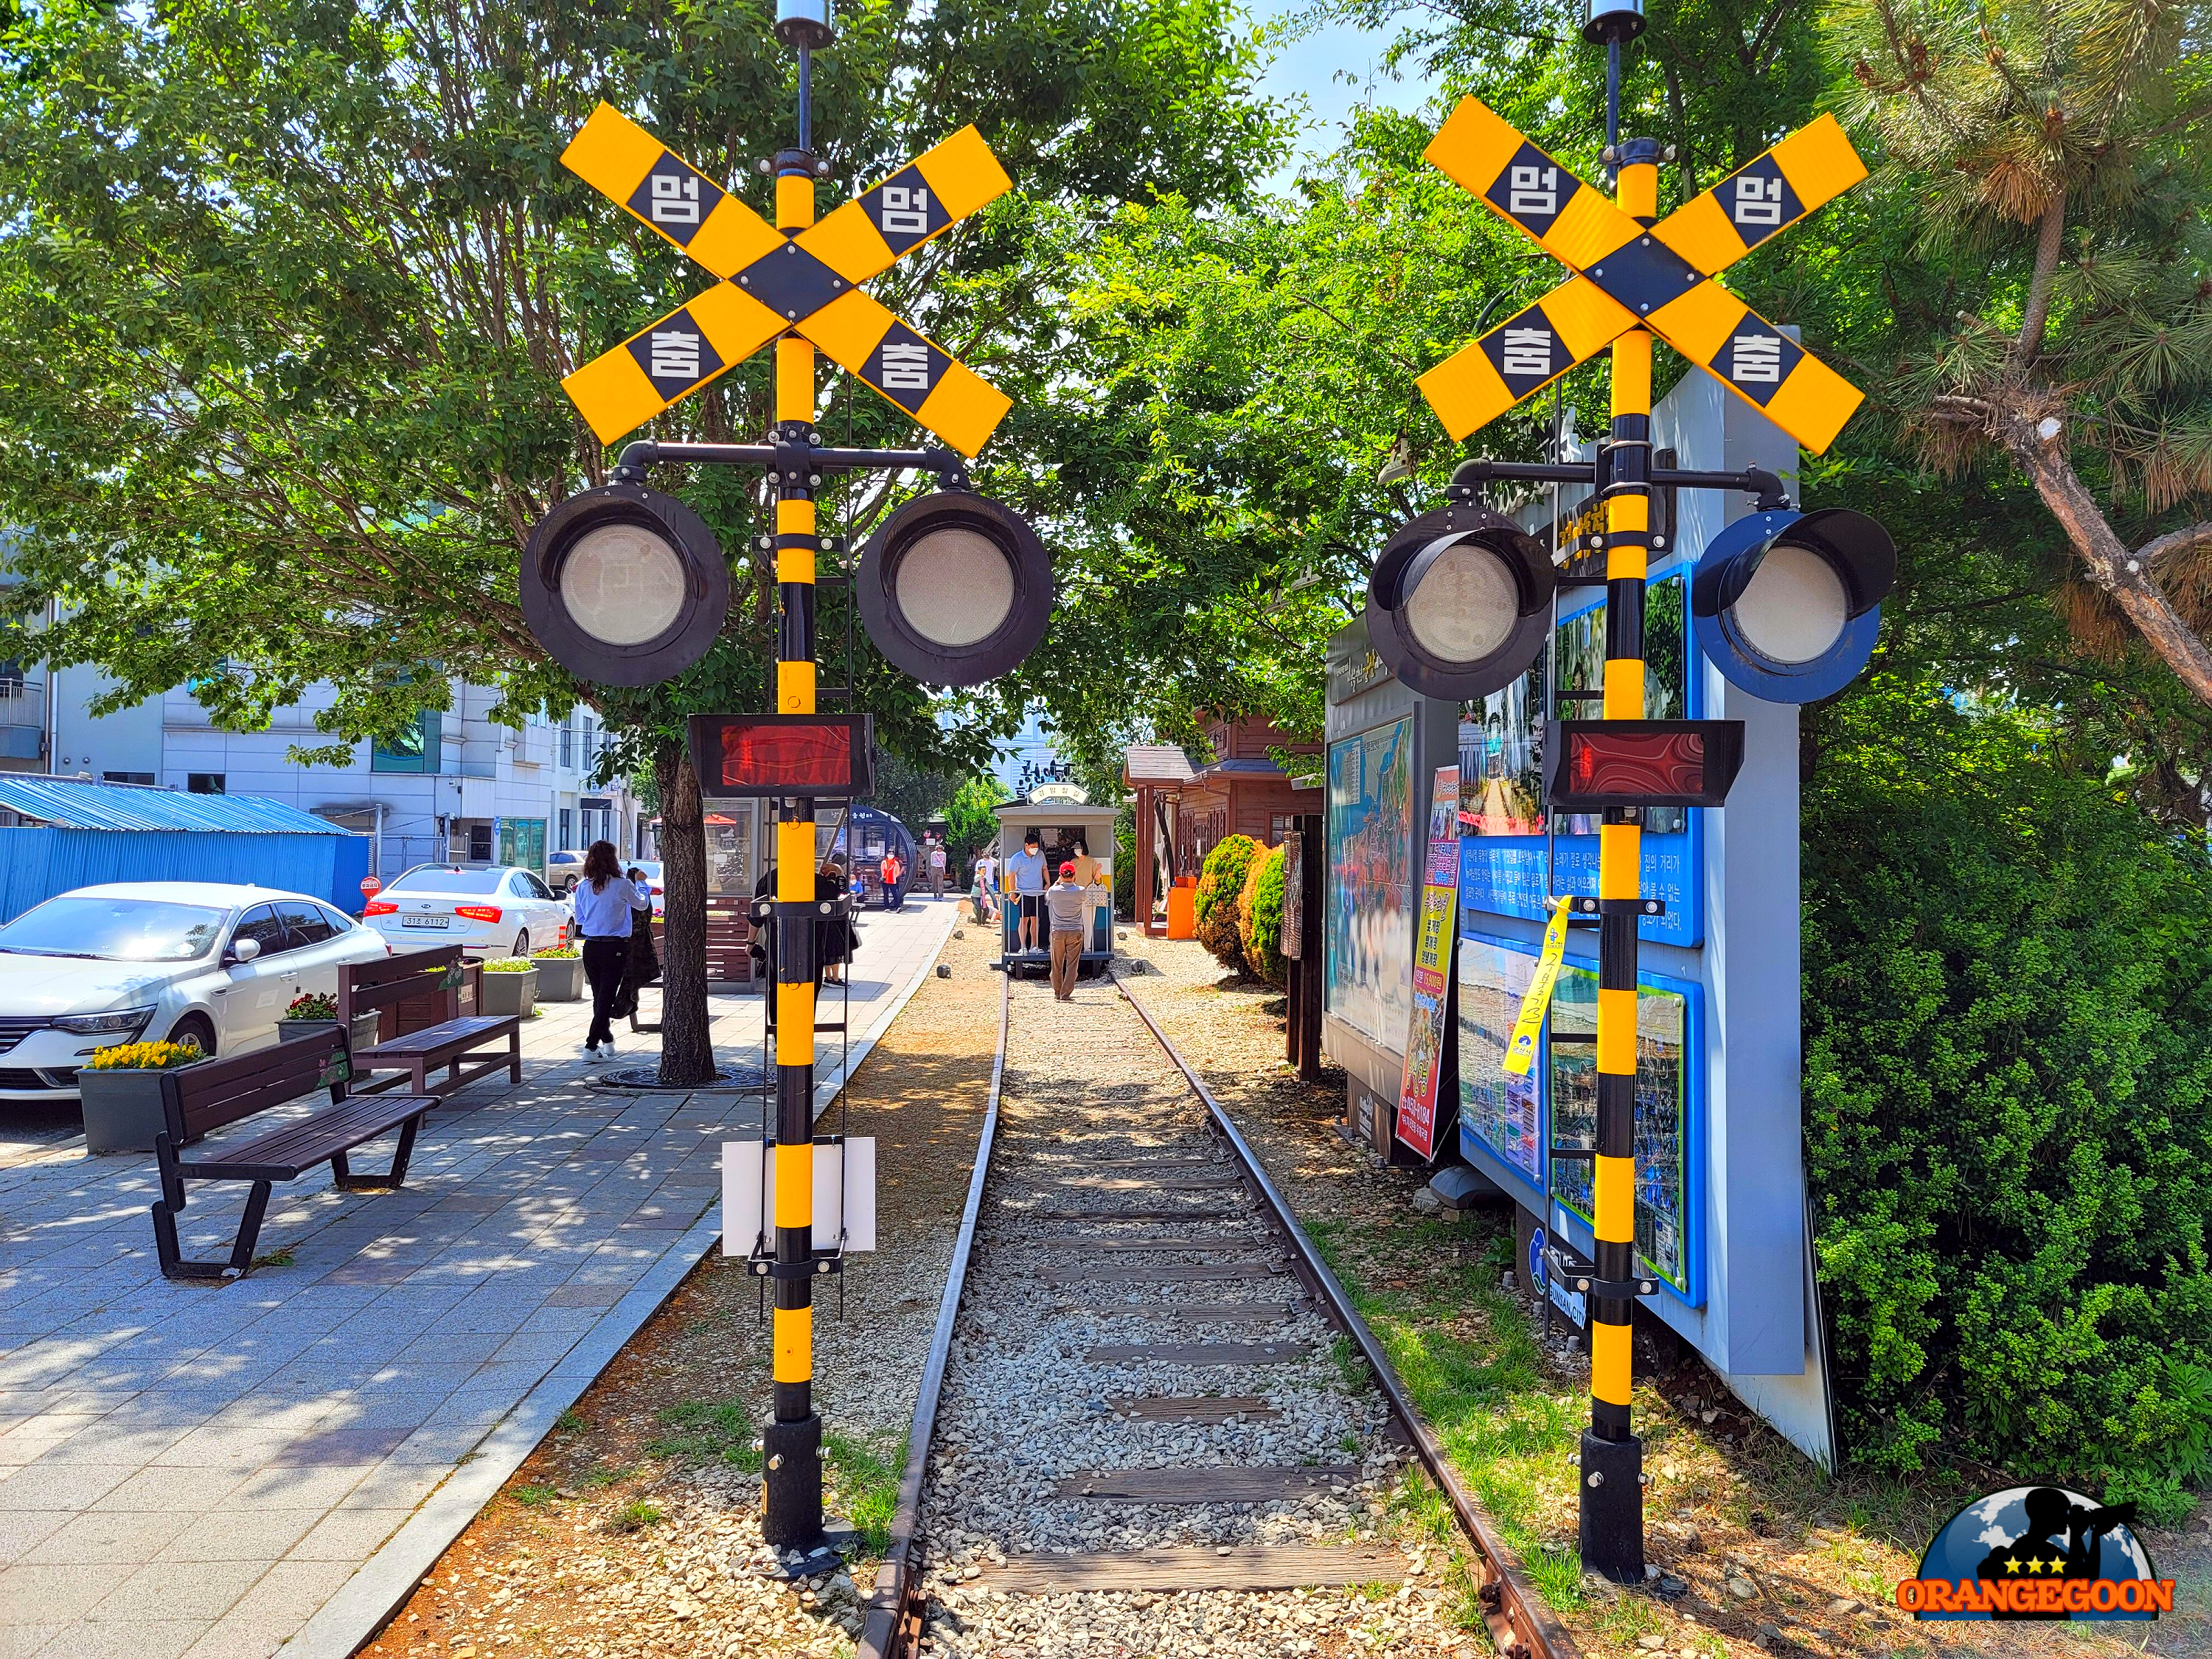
{"x": 1067, "y": 904}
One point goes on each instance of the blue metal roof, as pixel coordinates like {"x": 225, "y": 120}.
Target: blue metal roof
{"x": 77, "y": 803}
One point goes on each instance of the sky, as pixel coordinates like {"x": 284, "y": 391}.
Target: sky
{"x": 1335, "y": 69}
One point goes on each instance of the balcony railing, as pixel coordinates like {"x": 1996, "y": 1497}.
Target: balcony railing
{"x": 22, "y": 703}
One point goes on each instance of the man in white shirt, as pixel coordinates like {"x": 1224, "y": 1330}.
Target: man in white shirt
{"x": 936, "y": 860}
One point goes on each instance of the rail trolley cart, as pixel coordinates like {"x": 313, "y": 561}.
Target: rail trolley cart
{"x": 1065, "y": 821}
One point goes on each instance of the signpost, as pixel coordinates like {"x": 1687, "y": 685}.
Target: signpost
{"x": 370, "y": 886}
{"x": 1634, "y": 277}
{"x": 626, "y": 586}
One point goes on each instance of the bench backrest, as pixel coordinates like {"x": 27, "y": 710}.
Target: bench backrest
{"x": 196, "y": 1099}
{"x": 414, "y": 990}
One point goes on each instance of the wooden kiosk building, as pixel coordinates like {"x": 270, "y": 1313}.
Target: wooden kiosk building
{"x": 1184, "y": 812}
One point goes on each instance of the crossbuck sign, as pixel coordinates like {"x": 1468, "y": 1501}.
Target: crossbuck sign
{"x": 1629, "y": 277}
{"x": 773, "y": 283}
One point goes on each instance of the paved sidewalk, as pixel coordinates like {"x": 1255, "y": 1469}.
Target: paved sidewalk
{"x": 198, "y": 1468}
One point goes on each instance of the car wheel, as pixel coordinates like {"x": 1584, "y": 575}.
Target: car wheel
{"x": 195, "y": 1029}
{"x": 521, "y": 942}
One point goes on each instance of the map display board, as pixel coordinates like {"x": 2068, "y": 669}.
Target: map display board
{"x": 1668, "y": 1165}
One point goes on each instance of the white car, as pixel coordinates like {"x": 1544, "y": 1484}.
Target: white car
{"x": 488, "y": 909}
{"x": 562, "y": 869}
{"x": 124, "y": 961}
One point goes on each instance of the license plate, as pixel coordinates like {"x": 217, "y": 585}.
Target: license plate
{"x": 425, "y": 922}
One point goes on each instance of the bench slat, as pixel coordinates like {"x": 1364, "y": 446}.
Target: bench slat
{"x": 220, "y": 1091}
{"x": 468, "y": 1029}
{"x": 283, "y": 1153}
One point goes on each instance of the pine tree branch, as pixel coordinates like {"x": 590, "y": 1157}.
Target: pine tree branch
{"x": 2034, "y": 443}
{"x": 2176, "y": 541}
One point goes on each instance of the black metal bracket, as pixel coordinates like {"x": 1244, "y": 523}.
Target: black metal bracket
{"x": 762, "y": 910}
{"x": 796, "y": 452}
{"x": 1470, "y": 476}
{"x": 1579, "y": 1273}
{"x": 815, "y": 1266}
{"x": 1572, "y": 1154}
{"x": 1581, "y": 906}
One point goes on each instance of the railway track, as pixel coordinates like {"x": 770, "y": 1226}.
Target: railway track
{"x": 1141, "y": 1430}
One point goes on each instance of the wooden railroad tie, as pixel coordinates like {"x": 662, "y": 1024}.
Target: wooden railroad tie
{"x": 1245, "y": 1567}
{"x": 1198, "y": 1353}
{"x": 1193, "y": 1408}
{"x": 1213, "y": 1484}
{"x": 1173, "y": 1273}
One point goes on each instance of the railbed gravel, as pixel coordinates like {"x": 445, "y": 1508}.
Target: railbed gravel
{"x": 1087, "y": 1086}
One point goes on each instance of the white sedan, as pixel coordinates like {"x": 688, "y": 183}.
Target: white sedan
{"x": 212, "y": 962}
{"x": 489, "y": 910}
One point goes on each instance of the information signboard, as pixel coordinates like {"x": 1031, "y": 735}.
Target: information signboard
{"x": 1433, "y": 955}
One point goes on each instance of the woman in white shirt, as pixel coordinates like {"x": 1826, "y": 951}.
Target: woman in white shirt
{"x": 605, "y": 901}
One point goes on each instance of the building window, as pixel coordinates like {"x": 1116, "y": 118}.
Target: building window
{"x": 567, "y": 744}
{"x": 204, "y": 783}
{"x": 1278, "y": 828}
{"x": 131, "y": 777}
{"x": 567, "y": 826}
{"x": 480, "y": 844}
{"x": 417, "y": 751}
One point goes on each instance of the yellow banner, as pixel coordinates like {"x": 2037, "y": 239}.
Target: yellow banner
{"x": 1521, "y": 1052}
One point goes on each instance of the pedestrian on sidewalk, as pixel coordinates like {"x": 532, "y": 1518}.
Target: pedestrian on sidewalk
{"x": 1069, "y": 905}
{"x": 986, "y": 887}
{"x": 892, "y": 870}
{"x": 835, "y": 938}
{"x": 605, "y": 902}
{"x": 938, "y": 861}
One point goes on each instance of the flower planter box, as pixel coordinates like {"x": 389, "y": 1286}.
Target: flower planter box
{"x": 507, "y": 993}
{"x": 363, "y": 1035}
{"x": 122, "y": 1109}
{"x": 560, "y": 979}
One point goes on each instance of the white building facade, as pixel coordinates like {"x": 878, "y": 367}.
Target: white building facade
{"x": 460, "y": 787}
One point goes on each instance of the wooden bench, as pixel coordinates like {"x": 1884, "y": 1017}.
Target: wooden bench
{"x": 215, "y": 1093}
{"x": 422, "y": 995}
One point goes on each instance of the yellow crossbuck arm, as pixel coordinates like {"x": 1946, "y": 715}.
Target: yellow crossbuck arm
{"x": 665, "y": 362}
{"x": 1654, "y": 278}
{"x": 919, "y": 202}
{"x": 909, "y": 369}
{"x": 666, "y": 193}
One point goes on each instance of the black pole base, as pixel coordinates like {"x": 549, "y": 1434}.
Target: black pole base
{"x": 1613, "y": 1508}
{"x": 791, "y": 1456}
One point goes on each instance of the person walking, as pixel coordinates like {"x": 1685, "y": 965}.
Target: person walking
{"x": 605, "y": 903}
{"x": 986, "y": 887}
{"x": 1069, "y": 904}
{"x": 1026, "y": 879}
{"x": 892, "y": 870}
{"x": 835, "y": 938}
{"x": 938, "y": 861}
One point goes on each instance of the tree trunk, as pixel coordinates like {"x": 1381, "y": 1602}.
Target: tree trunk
{"x": 2125, "y": 575}
{"x": 687, "y": 1049}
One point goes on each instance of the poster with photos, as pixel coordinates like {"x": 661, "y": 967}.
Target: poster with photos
{"x": 1370, "y": 898}
{"x": 1662, "y": 1105}
{"x": 1497, "y": 1109}
{"x": 1501, "y": 736}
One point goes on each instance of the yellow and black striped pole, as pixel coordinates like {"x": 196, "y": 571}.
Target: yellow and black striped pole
{"x": 1613, "y": 1458}
{"x": 792, "y": 1445}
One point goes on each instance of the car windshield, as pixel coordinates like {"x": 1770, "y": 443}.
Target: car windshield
{"x": 115, "y": 930}
{"x": 432, "y": 878}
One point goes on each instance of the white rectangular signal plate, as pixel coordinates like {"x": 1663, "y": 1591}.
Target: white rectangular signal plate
{"x": 844, "y": 1196}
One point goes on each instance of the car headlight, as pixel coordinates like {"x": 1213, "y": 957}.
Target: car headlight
{"x": 125, "y": 1021}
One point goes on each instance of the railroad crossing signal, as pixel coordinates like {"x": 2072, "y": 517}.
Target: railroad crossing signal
{"x": 1628, "y": 276}
{"x": 773, "y": 283}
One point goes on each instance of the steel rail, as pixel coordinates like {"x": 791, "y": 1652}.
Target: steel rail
{"x": 1521, "y": 1625}
{"x": 886, "y": 1625}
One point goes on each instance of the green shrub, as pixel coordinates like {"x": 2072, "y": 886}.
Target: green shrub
{"x": 508, "y": 965}
{"x": 2008, "y": 978}
{"x": 1221, "y": 882}
{"x": 1259, "y": 914}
